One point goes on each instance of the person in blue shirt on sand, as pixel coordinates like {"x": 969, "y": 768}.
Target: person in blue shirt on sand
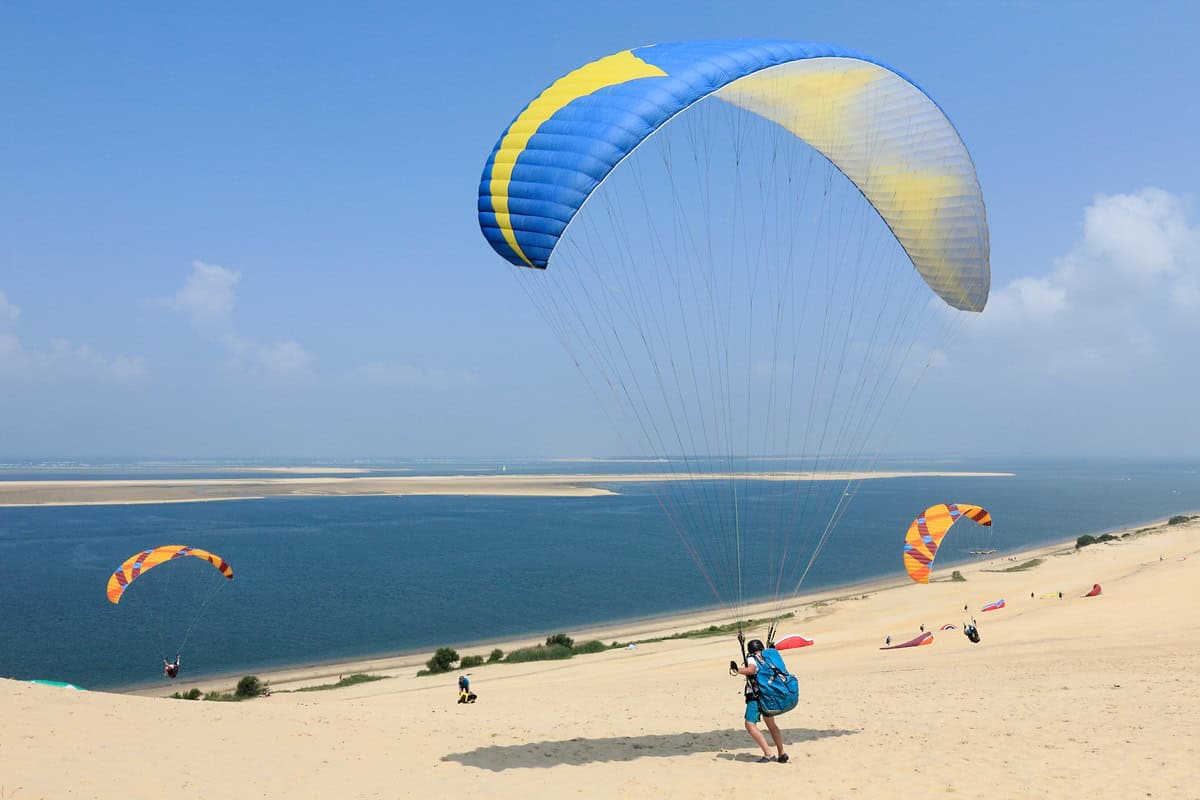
{"x": 754, "y": 712}
{"x": 465, "y": 695}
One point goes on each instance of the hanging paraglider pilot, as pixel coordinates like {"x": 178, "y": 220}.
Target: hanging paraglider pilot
{"x": 971, "y": 632}
{"x": 171, "y": 668}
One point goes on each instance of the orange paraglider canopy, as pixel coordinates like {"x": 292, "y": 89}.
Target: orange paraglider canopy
{"x": 138, "y": 564}
{"x": 926, "y": 532}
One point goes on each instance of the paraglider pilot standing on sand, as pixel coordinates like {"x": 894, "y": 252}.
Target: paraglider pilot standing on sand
{"x": 757, "y": 706}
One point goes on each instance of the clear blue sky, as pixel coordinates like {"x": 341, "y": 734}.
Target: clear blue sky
{"x": 248, "y": 230}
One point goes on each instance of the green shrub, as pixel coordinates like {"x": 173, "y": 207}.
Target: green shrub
{"x": 470, "y": 661}
{"x": 560, "y": 639}
{"x": 955, "y": 576}
{"x": 594, "y": 646}
{"x": 249, "y": 686}
{"x": 495, "y": 655}
{"x": 1085, "y": 540}
{"x": 538, "y": 653}
{"x": 1179, "y": 519}
{"x": 442, "y": 660}
{"x": 190, "y": 694}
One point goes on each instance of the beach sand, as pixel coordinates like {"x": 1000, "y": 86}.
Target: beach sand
{"x": 130, "y": 492}
{"x": 1073, "y": 698}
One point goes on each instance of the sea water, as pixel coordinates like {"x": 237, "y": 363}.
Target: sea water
{"x": 322, "y": 579}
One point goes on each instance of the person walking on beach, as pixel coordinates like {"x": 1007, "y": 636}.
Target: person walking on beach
{"x": 753, "y": 711}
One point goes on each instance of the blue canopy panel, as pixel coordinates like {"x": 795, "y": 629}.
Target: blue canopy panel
{"x": 885, "y": 134}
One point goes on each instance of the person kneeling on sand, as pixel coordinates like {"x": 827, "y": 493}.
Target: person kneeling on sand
{"x": 465, "y": 695}
{"x": 753, "y": 711}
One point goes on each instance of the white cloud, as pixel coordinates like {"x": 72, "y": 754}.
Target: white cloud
{"x": 1026, "y": 301}
{"x": 207, "y": 295}
{"x": 1104, "y": 307}
{"x": 384, "y": 374}
{"x": 8, "y": 313}
{"x": 1139, "y": 236}
{"x": 284, "y": 358}
{"x": 208, "y": 298}
{"x": 66, "y": 361}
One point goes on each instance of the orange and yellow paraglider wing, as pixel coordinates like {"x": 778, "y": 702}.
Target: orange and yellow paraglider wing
{"x": 922, "y": 540}
{"x": 927, "y": 531}
{"x": 139, "y": 563}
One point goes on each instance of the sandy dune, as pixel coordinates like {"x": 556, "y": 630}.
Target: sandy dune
{"x": 1071, "y": 698}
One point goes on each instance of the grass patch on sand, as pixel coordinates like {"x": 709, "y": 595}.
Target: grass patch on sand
{"x": 349, "y": 680}
{"x": 711, "y": 630}
{"x": 540, "y": 652}
{"x": 1022, "y": 567}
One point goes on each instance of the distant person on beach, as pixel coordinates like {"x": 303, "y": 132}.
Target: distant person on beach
{"x": 888, "y": 640}
{"x": 465, "y": 695}
{"x": 171, "y": 668}
{"x": 753, "y": 712}
{"x": 922, "y": 627}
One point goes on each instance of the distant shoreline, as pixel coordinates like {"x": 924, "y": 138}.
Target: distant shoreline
{"x": 25, "y": 493}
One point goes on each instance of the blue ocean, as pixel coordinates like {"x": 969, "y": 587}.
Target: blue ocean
{"x": 323, "y": 579}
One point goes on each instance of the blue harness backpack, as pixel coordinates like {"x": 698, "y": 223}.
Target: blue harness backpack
{"x": 778, "y": 689}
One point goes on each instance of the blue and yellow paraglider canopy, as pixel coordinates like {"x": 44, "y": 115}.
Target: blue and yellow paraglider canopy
{"x": 876, "y": 126}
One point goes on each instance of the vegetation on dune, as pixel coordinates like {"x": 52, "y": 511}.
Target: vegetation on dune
{"x": 957, "y": 577}
{"x": 1088, "y": 539}
{"x": 1022, "y": 567}
{"x": 538, "y": 652}
{"x": 349, "y": 680}
{"x": 443, "y": 661}
{"x": 559, "y": 639}
{"x": 247, "y": 688}
{"x": 714, "y": 630}
{"x": 1179, "y": 519}
{"x": 560, "y": 646}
